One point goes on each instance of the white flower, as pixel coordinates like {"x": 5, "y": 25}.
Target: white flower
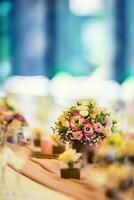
{"x": 83, "y": 110}
{"x": 69, "y": 156}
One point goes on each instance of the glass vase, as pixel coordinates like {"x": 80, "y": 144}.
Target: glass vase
{"x": 15, "y": 134}
{"x": 70, "y": 170}
{"x": 78, "y": 146}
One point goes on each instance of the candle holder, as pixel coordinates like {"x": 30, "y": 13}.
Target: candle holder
{"x": 46, "y": 146}
{"x": 70, "y": 170}
{"x": 57, "y": 149}
{"x": 37, "y": 142}
{"x": 37, "y": 133}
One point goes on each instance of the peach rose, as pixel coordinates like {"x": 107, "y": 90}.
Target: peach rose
{"x": 98, "y": 127}
{"x": 108, "y": 121}
{"x": 107, "y": 131}
{"x": 77, "y": 135}
{"x": 66, "y": 123}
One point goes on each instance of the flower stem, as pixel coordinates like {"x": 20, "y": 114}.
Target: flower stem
{"x": 71, "y": 164}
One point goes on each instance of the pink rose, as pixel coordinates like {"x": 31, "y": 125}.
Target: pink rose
{"x": 77, "y": 135}
{"x": 8, "y": 118}
{"x": 98, "y": 127}
{"x": 21, "y": 118}
{"x": 108, "y": 121}
{"x": 88, "y": 128}
{"x": 76, "y": 121}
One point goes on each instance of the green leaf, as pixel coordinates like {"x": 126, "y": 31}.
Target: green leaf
{"x": 79, "y": 103}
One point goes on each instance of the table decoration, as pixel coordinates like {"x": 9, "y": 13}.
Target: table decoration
{"x": 46, "y": 172}
{"x": 58, "y": 147}
{"x": 11, "y": 126}
{"x": 119, "y": 148}
{"x": 37, "y": 134}
{"x": 11, "y": 123}
{"x": 46, "y": 146}
{"x": 121, "y": 181}
{"x": 70, "y": 166}
{"x": 85, "y": 124}
{"x": 6, "y": 113}
{"x": 115, "y": 159}
{"x": 16, "y": 127}
{"x": 5, "y": 116}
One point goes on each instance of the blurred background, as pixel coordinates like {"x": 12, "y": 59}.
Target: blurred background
{"x": 55, "y": 52}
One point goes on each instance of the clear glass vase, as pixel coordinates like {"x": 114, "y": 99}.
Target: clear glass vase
{"x": 15, "y": 134}
{"x": 18, "y": 138}
{"x": 19, "y": 135}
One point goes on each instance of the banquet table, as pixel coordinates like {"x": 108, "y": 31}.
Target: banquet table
{"x": 40, "y": 178}
{"x": 28, "y": 189}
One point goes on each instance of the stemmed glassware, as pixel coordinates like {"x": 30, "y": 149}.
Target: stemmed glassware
{"x": 11, "y": 126}
{"x": 9, "y": 157}
{"x": 3, "y": 160}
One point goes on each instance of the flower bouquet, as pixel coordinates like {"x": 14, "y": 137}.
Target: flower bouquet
{"x": 58, "y": 147}
{"x": 15, "y": 127}
{"x": 11, "y": 124}
{"x": 70, "y": 167}
{"x": 5, "y": 116}
{"x": 84, "y": 125}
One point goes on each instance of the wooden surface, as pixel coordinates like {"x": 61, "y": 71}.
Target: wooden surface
{"x": 45, "y": 172}
{"x": 19, "y": 187}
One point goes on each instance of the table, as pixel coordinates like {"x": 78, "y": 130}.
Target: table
{"x": 28, "y": 189}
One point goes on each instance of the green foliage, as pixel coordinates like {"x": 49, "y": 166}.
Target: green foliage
{"x": 100, "y": 118}
{"x": 79, "y": 103}
{"x": 91, "y": 106}
{"x": 61, "y": 129}
{"x": 72, "y": 110}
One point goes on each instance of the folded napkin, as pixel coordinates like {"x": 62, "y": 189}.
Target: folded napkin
{"x": 47, "y": 173}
